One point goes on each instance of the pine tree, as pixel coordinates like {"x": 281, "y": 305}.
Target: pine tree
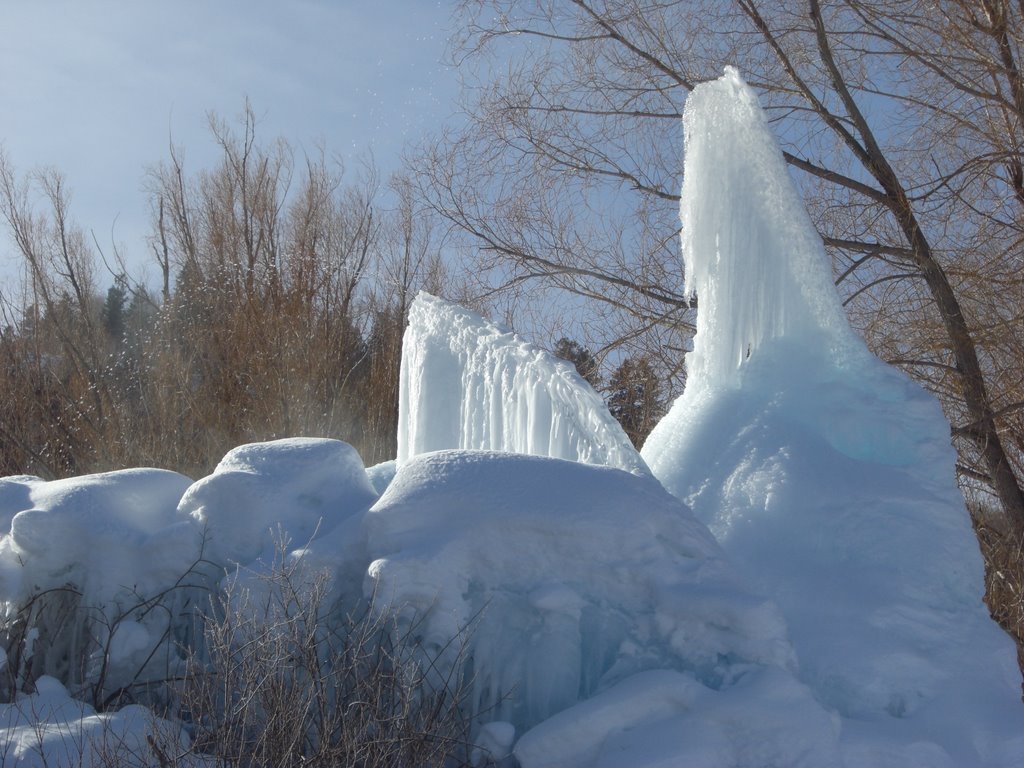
{"x": 636, "y": 398}
{"x": 581, "y": 357}
{"x": 113, "y": 312}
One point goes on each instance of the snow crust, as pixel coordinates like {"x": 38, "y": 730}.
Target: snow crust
{"x": 467, "y": 383}
{"x": 825, "y": 474}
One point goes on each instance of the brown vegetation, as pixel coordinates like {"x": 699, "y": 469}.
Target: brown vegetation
{"x": 281, "y": 313}
{"x": 1003, "y": 551}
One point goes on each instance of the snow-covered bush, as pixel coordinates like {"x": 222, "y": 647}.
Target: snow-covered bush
{"x": 99, "y": 580}
{"x": 106, "y": 657}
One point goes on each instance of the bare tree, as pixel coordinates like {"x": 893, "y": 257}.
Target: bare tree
{"x": 284, "y": 285}
{"x": 901, "y": 121}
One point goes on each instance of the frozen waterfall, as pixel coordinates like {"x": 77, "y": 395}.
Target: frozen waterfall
{"x": 467, "y": 383}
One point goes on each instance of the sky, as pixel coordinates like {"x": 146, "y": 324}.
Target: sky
{"x": 99, "y": 88}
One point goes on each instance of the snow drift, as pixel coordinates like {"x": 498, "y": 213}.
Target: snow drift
{"x": 593, "y": 606}
{"x": 827, "y": 475}
{"x": 467, "y": 383}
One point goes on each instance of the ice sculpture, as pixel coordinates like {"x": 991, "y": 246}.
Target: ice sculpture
{"x": 467, "y": 383}
{"x": 827, "y": 475}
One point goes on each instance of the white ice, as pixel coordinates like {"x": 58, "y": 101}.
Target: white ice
{"x": 825, "y": 474}
{"x": 468, "y": 383}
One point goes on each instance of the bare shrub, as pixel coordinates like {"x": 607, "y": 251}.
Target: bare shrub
{"x": 288, "y": 680}
{"x": 57, "y": 632}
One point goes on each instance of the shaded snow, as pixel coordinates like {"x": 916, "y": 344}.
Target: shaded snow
{"x": 49, "y": 729}
{"x": 564, "y": 579}
{"x": 468, "y": 383}
{"x": 664, "y": 719}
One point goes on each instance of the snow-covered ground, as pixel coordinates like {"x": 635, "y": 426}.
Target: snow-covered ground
{"x": 792, "y": 582}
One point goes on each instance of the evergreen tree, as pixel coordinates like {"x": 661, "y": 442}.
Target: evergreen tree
{"x": 113, "y": 311}
{"x": 581, "y": 357}
{"x": 636, "y": 398}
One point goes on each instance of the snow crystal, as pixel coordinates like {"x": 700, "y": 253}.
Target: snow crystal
{"x": 468, "y": 383}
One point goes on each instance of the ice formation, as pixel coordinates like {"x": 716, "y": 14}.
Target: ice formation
{"x": 827, "y": 475}
{"x": 571, "y": 583}
{"x": 598, "y": 620}
{"x": 467, "y": 383}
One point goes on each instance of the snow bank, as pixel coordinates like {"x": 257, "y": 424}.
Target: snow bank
{"x": 467, "y": 383}
{"x": 827, "y": 475}
{"x": 108, "y": 533}
{"x": 293, "y": 489}
{"x": 565, "y": 579}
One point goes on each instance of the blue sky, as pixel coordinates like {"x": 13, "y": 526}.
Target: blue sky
{"x": 97, "y": 88}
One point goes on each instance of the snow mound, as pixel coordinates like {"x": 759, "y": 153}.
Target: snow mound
{"x": 107, "y": 534}
{"x": 381, "y": 475}
{"x": 294, "y": 488}
{"x": 665, "y": 719}
{"x": 467, "y": 383}
{"x": 564, "y": 579}
{"x": 83, "y": 558}
{"x": 48, "y": 728}
{"x": 825, "y": 474}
